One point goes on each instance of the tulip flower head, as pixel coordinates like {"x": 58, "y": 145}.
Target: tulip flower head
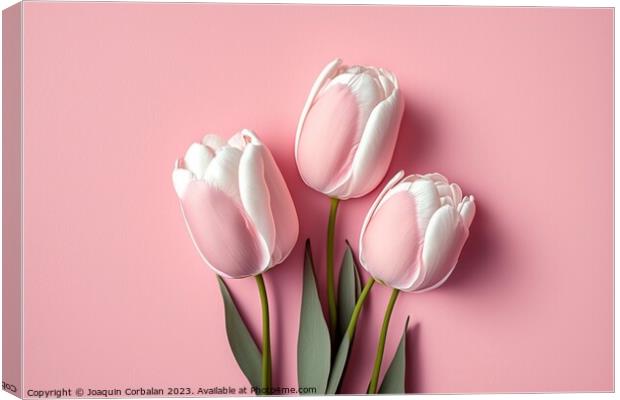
{"x": 236, "y": 205}
{"x": 413, "y": 234}
{"x": 348, "y": 129}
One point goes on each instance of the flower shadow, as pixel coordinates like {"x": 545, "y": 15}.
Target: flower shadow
{"x": 478, "y": 264}
{"x": 415, "y": 139}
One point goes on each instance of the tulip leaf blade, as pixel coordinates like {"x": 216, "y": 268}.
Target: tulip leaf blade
{"x": 243, "y": 346}
{"x": 339, "y": 364}
{"x": 349, "y": 291}
{"x": 394, "y": 379}
{"x": 349, "y": 288}
{"x": 314, "y": 343}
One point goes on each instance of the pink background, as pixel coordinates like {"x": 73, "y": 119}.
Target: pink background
{"x": 513, "y": 104}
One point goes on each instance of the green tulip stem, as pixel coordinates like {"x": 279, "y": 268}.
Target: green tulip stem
{"x": 374, "y": 380}
{"x": 266, "y": 349}
{"x": 331, "y": 290}
{"x": 358, "y": 308}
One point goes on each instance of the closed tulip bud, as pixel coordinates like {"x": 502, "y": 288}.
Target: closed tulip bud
{"x": 413, "y": 234}
{"x": 348, "y": 130}
{"x": 236, "y": 205}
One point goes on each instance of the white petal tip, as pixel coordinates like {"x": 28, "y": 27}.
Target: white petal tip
{"x": 437, "y": 177}
{"x": 399, "y": 175}
{"x": 197, "y": 158}
{"x": 467, "y": 210}
{"x": 243, "y": 138}
{"x": 213, "y": 141}
{"x": 180, "y": 180}
{"x": 394, "y": 79}
{"x": 249, "y": 136}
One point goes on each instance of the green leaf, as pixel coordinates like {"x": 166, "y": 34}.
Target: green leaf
{"x": 349, "y": 288}
{"x": 241, "y": 343}
{"x": 313, "y": 345}
{"x": 340, "y": 362}
{"x": 394, "y": 380}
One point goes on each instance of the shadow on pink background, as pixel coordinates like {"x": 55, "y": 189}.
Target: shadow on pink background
{"x": 513, "y": 104}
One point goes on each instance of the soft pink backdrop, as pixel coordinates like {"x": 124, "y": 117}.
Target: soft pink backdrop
{"x": 514, "y": 104}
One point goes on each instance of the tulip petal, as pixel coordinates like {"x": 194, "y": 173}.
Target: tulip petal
{"x": 328, "y": 71}
{"x": 255, "y": 195}
{"x": 214, "y": 142}
{"x": 283, "y": 210}
{"x": 376, "y": 147}
{"x": 222, "y": 172}
{"x": 386, "y": 83}
{"x": 443, "y": 189}
{"x": 403, "y": 186}
{"x": 180, "y": 180}
{"x": 467, "y": 210}
{"x": 221, "y": 231}
{"x": 267, "y": 199}
{"x": 331, "y": 130}
{"x": 457, "y": 194}
{"x": 250, "y": 136}
{"x": 443, "y": 241}
{"x": 197, "y": 159}
{"x": 386, "y": 189}
{"x": 447, "y": 200}
{"x": 367, "y": 91}
{"x": 427, "y": 201}
{"x": 393, "y": 240}
{"x": 239, "y": 140}
{"x": 436, "y": 177}
{"x": 426, "y": 196}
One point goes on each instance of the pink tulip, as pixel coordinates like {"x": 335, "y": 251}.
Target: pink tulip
{"x": 414, "y": 232}
{"x": 236, "y": 205}
{"x": 348, "y": 129}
